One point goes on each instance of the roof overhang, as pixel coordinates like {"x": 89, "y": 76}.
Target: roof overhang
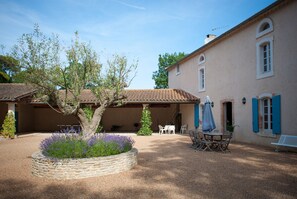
{"x": 22, "y": 92}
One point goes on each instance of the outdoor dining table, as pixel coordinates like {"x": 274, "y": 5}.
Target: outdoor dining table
{"x": 212, "y": 134}
{"x": 169, "y": 129}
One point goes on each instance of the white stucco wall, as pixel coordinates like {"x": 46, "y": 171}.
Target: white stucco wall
{"x": 231, "y": 75}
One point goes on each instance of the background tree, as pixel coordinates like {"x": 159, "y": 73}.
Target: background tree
{"x": 9, "y": 70}
{"x": 40, "y": 56}
{"x": 161, "y": 75}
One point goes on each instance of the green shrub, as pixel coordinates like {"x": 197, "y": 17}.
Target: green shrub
{"x": 8, "y": 127}
{"x": 146, "y": 122}
{"x": 68, "y": 149}
{"x": 89, "y": 112}
{"x": 102, "y": 148}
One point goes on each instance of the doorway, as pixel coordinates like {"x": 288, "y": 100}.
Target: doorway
{"x": 228, "y": 115}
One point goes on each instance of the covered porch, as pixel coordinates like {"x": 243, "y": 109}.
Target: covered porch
{"x": 165, "y": 106}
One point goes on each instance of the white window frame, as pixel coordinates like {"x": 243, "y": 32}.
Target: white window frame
{"x": 259, "y": 46}
{"x": 177, "y": 69}
{"x": 265, "y": 132}
{"x": 203, "y": 61}
{"x": 269, "y": 113}
{"x": 259, "y": 32}
{"x": 200, "y": 83}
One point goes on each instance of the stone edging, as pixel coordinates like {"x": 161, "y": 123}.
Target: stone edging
{"x": 63, "y": 169}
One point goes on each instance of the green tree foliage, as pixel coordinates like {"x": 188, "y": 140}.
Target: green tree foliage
{"x": 146, "y": 122}
{"x": 39, "y": 55}
{"x": 9, "y": 70}
{"x": 161, "y": 75}
{"x": 8, "y": 127}
{"x": 4, "y": 78}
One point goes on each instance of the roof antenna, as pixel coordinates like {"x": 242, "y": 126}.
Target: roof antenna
{"x": 218, "y": 28}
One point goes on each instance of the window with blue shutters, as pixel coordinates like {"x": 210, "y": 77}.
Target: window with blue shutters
{"x": 266, "y": 110}
{"x": 267, "y": 114}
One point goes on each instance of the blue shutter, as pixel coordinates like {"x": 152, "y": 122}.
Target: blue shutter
{"x": 276, "y": 114}
{"x": 196, "y": 115}
{"x": 255, "y": 115}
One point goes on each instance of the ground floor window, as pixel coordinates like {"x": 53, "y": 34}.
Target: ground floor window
{"x": 266, "y": 114}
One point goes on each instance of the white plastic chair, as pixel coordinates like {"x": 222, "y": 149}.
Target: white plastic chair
{"x": 183, "y": 129}
{"x": 161, "y": 130}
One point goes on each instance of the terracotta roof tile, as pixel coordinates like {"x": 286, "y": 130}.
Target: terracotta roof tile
{"x": 148, "y": 96}
{"x": 14, "y": 92}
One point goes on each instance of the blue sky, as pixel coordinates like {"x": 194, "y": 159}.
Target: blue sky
{"x": 138, "y": 29}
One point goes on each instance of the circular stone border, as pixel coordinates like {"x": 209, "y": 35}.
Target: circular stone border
{"x": 68, "y": 168}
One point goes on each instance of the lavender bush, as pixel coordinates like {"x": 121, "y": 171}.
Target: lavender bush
{"x": 63, "y": 144}
{"x": 122, "y": 141}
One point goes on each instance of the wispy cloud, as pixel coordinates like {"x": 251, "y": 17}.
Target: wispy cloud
{"x": 130, "y": 5}
{"x": 17, "y": 14}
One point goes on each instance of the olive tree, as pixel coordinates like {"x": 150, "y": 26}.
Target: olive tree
{"x": 62, "y": 84}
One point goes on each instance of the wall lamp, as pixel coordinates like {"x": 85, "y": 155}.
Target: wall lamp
{"x": 243, "y": 100}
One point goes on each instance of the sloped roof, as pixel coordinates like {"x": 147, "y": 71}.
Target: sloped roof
{"x": 148, "y": 96}
{"x": 10, "y": 92}
{"x": 263, "y": 13}
{"x": 15, "y": 92}
{"x": 160, "y": 96}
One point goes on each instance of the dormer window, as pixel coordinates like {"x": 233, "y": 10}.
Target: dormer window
{"x": 264, "y": 27}
{"x": 201, "y": 59}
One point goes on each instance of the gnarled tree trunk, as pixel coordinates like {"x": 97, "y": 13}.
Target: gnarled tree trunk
{"x": 89, "y": 127}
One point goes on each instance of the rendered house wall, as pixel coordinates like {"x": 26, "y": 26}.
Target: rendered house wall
{"x": 230, "y": 71}
{"x": 46, "y": 119}
{"x": 26, "y": 118}
{"x": 127, "y": 117}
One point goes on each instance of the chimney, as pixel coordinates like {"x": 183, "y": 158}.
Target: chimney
{"x": 209, "y": 38}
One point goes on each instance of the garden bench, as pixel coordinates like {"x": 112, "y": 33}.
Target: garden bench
{"x": 286, "y": 141}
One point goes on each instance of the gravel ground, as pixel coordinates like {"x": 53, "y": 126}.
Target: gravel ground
{"x": 167, "y": 168}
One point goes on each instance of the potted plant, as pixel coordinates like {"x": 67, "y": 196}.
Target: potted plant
{"x": 230, "y": 127}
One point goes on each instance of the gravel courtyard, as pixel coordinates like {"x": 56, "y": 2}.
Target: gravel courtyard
{"x": 167, "y": 168}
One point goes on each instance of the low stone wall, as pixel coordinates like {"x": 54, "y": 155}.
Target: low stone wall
{"x": 43, "y": 166}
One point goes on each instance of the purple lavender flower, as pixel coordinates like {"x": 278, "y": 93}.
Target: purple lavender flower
{"x": 57, "y": 136}
{"x": 121, "y": 141}
{"x": 94, "y": 139}
{"x": 124, "y": 143}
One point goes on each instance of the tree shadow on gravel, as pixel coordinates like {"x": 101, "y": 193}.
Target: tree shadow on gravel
{"x": 247, "y": 172}
{"x": 169, "y": 168}
{"x": 11, "y": 188}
